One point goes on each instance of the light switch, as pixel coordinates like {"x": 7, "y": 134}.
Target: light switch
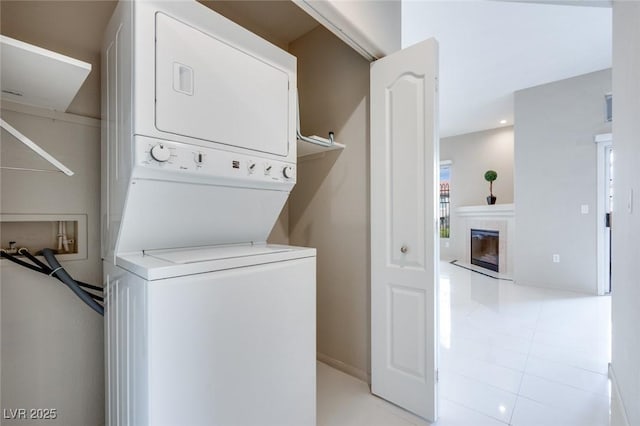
{"x": 584, "y": 209}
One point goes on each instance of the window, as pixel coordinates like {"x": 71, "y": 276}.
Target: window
{"x": 445, "y": 202}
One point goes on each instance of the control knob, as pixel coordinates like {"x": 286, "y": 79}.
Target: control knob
{"x": 160, "y": 153}
{"x": 288, "y": 172}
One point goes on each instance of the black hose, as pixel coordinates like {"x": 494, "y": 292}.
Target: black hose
{"x": 20, "y": 262}
{"x": 93, "y": 296}
{"x": 60, "y": 273}
{"x": 25, "y": 253}
{"x": 44, "y": 269}
{"x": 47, "y": 270}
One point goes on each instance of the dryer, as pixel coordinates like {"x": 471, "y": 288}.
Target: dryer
{"x": 205, "y": 323}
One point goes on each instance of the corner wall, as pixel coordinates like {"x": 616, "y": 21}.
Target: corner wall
{"x": 329, "y": 207}
{"x": 472, "y": 154}
{"x": 625, "y": 296}
{"x": 555, "y": 174}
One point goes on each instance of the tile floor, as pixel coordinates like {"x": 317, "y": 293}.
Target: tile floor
{"x": 509, "y": 355}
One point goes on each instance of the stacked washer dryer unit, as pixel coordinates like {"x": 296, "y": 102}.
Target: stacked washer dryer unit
{"x": 206, "y": 324}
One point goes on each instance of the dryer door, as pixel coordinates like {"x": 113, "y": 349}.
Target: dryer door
{"x": 209, "y": 90}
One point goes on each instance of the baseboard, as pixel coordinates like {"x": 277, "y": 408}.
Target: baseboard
{"x": 345, "y": 368}
{"x": 572, "y": 290}
{"x": 618, "y": 412}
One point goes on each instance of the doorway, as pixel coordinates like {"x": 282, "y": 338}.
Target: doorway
{"x": 605, "y": 168}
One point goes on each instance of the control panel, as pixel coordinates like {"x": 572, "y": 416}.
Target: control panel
{"x": 194, "y": 160}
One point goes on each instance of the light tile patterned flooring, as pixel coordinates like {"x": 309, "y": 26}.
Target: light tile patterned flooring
{"x": 509, "y": 354}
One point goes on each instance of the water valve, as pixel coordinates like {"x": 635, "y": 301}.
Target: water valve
{"x": 12, "y": 248}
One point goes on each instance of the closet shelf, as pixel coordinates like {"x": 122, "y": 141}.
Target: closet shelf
{"x": 31, "y": 75}
{"x": 315, "y": 145}
{"x": 39, "y": 77}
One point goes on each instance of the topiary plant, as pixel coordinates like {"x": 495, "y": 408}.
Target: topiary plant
{"x": 490, "y": 176}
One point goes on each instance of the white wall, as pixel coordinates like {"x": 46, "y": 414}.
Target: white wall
{"x": 472, "y": 154}
{"x": 626, "y": 226}
{"x": 52, "y": 344}
{"x": 555, "y": 173}
{"x": 329, "y": 207}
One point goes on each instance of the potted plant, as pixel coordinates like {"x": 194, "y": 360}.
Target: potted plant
{"x": 490, "y": 176}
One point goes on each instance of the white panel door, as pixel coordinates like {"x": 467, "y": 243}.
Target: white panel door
{"x": 404, "y": 250}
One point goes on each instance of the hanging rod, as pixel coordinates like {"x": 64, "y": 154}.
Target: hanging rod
{"x": 36, "y": 148}
{"x": 26, "y": 169}
{"x": 316, "y": 139}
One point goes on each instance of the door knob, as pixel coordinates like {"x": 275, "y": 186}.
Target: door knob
{"x": 404, "y": 249}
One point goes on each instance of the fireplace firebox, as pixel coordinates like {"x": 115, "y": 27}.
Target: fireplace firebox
{"x": 484, "y": 249}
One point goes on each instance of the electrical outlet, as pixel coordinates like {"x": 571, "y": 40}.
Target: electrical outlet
{"x": 556, "y": 258}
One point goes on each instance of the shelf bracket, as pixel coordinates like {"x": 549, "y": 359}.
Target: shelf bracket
{"x": 34, "y": 147}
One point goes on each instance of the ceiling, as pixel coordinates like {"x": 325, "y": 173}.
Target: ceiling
{"x": 280, "y": 22}
{"x": 490, "y": 49}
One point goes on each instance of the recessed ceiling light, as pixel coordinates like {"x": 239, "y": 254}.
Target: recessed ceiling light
{"x": 503, "y": 121}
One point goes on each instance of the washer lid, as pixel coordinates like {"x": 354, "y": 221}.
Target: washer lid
{"x": 200, "y": 254}
{"x": 160, "y": 264}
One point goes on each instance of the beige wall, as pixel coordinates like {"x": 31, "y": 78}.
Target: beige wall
{"x": 472, "y": 155}
{"x": 52, "y": 344}
{"x": 329, "y": 207}
{"x": 625, "y": 295}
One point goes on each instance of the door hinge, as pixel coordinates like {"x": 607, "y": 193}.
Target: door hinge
{"x": 437, "y": 376}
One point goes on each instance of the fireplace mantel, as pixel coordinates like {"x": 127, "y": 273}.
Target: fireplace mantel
{"x": 503, "y": 210}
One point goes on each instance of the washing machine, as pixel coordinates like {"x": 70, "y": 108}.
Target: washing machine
{"x": 205, "y": 323}
{"x": 212, "y": 336}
